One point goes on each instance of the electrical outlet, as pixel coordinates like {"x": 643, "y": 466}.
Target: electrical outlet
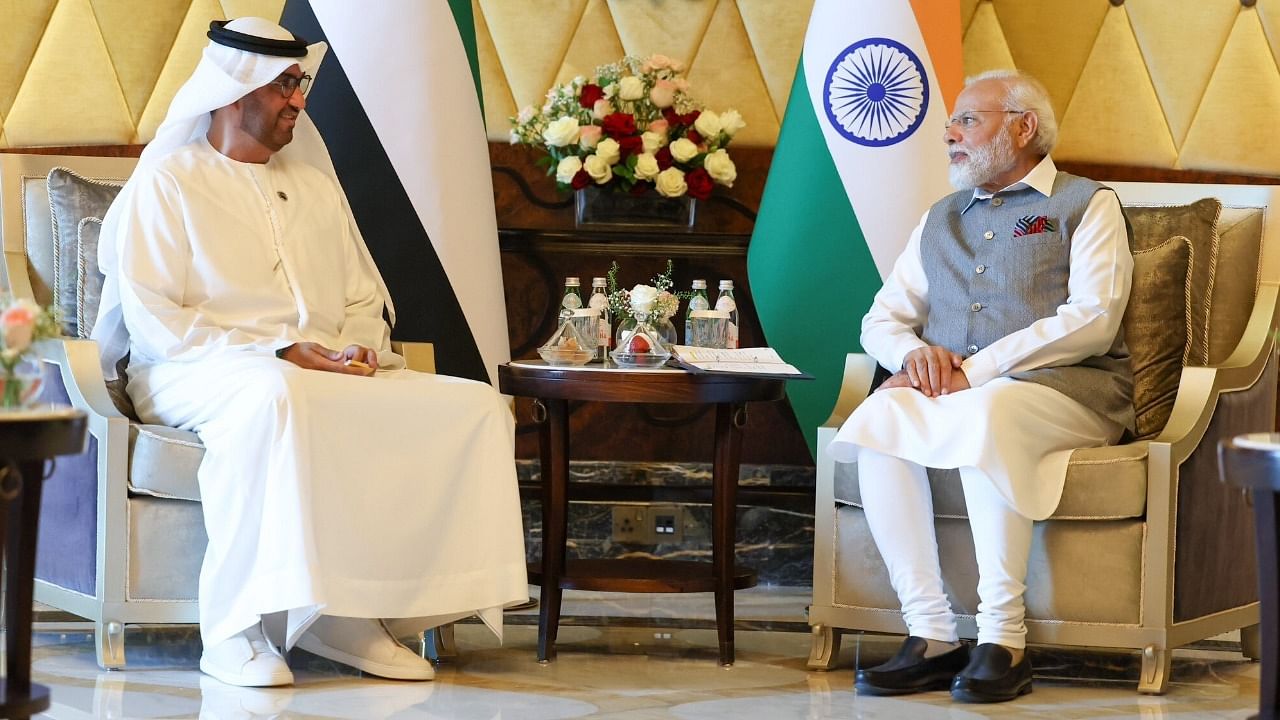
{"x": 631, "y": 524}
{"x": 667, "y": 523}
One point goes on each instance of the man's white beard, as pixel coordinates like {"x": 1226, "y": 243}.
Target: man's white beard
{"x": 984, "y": 163}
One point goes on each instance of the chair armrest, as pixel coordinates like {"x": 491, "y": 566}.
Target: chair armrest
{"x": 417, "y": 356}
{"x": 859, "y": 373}
{"x": 1200, "y": 387}
{"x": 79, "y": 363}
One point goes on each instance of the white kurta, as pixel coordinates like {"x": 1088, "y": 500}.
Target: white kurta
{"x": 392, "y": 496}
{"x": 1021, "y": 434}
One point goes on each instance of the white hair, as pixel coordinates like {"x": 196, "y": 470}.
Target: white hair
{"x": 1024, "y": 92}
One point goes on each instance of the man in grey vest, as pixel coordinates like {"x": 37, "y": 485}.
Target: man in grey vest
{"x": 1001, "y": 324}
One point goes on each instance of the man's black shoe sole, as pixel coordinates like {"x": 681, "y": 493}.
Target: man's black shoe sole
{"x": 869, "y": 689}
{"x": 969, "y": 696}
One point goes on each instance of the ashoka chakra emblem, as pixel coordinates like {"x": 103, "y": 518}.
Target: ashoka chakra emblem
{"x": 876, "y": 92}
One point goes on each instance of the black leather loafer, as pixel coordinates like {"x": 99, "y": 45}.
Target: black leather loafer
{"x": 991, "y": 676}
{"x": 910, "y": 672}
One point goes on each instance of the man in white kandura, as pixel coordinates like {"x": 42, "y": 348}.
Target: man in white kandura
{"x": 335, "y": 496}
{"x": 1002, "y": 323}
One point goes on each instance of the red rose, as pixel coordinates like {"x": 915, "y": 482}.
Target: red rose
{"x": 630, "y": 145}
{"x": 618, "y": 125}
{"x": 671, "y": 116}
{"x": 663, "y": 157}
{"x": 580, "y": 180}
{"x": 700, "y": 183}
{"x": 642, "y": 187}
{"x": 694, "y": 136}
{"x": 690, "y": 117}
{"x": 590, "y": 94}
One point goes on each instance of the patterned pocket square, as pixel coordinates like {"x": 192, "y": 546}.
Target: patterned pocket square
{"x": 1032, "y": 224}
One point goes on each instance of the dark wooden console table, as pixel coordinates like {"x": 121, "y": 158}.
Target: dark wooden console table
{"x": 552, "y": 388}
{"x": 27, "y": 440}
{"x": 1253, "y": 462}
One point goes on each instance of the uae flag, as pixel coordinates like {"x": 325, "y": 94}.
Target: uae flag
{"x": 858, "y": 161}
{"x": 397, "y": 102}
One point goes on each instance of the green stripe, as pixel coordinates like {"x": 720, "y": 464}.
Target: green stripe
{"x": 812, "y": 275}
{"x": 467, "y": 29}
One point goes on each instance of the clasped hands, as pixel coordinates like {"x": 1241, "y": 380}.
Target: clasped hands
{"x": 932, "y": 370}
{"x": 314, "y": 356}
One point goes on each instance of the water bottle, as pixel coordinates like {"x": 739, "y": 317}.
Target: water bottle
{"x": 572, "y": 299}
{"x": 725, "y": 302}
{"x": 699, "y": 301}
{"x": 600, "y": 301}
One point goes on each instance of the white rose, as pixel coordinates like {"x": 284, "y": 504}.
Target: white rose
{"x": 610, "y": 90}
{"x": 567, "y": 168}
{"x": 643, "y": 297}
{"x": 731, "y": 122}
{"x": 721, "y": 168}
{"x": 653, "y": 141}
{"x": 561, "y": 132}
{"x": 707, "y": 124}
{"x": 646, "y": 166}
{"x": 631, "y": 88}
{"x": 683, "y": 150}
{"x": 608, "y": 150}
{"x": 598, "y": 169}
{"x": 513, "y": 137}
{"x": 670, "y": 183}
{"x": 601, "y": 108}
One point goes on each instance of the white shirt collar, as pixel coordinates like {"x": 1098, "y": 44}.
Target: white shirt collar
{"x": 1039, "y": 179}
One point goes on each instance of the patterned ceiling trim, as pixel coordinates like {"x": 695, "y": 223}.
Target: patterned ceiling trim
{"x": 1150, "y": 82}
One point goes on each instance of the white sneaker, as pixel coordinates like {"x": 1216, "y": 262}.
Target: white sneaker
{"x": 247, "y": 660}
{"x": 366, "y": 645}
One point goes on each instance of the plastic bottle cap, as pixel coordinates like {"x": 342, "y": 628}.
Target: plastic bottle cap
{"x": 571, "y": 282}
{"x": 720, "y": 314}
{"x": 726, "y": 284}
{"x": 699, "y": 284}
{"x": 598, "y": 282}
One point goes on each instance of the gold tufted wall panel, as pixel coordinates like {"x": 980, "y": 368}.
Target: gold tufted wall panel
{"x": 1191, "y": 84}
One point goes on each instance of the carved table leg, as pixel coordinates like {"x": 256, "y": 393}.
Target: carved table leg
{"x": 730, "y": 419}
{"x": 553, "y": 437}
{"x": 825, "y": 648}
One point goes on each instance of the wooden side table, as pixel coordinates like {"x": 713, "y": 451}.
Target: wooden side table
{"x": 552, "y": 388}
{"x": 1253, "y": 462}
{"x": 27, "y": 439}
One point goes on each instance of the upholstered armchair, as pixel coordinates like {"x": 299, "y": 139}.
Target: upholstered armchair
{"x": 121, "y": 531}
{"x": 1147, "y": 550}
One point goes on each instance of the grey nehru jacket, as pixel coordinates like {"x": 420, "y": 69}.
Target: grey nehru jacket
{"x": 984, "y": 283}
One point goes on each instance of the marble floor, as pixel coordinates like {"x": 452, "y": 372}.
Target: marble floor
{"x": 620, "y": 656}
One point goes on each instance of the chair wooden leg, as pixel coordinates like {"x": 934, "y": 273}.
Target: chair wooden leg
{"x": 825, "y": 648}
{"x": 1251, "y": 642}
{"x": 108, "y": 637}
{"x": 1156, "y": 662}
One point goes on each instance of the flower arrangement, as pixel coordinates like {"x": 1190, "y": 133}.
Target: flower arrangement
{"x": 22, "y": 322}
{"x": 661, "y": 302}
{"x": 631, "y": 127}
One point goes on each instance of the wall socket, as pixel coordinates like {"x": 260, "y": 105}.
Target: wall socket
{"x": 648, "y": 524}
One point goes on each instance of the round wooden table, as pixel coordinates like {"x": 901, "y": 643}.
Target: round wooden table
{"x": 552, "y": 388}
{"x": 1253, "y": 462}
{"x": 27, "y": 439}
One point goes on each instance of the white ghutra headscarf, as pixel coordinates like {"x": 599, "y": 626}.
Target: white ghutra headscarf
{"x": 245, "y": 54}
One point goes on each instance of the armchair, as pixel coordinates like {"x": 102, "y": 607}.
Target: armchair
{"x": 121, "y": 531}
{"x": 1147, "y": 550}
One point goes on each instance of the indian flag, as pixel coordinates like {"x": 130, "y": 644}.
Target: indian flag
{"x": 858, "y": 161}
{"x": 397, "y": 102}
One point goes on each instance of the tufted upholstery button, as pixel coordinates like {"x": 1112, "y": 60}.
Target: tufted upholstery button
{"x": 975, "y": 307}
{"x": 988, "y": 234}
{"x": 972, "y": 349}
{"x": 980, "y": 269}
{"x": 997, "y": 202}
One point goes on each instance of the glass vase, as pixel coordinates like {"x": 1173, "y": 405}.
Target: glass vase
{"x": 605, "y": 210}
{"x": 665, "y": 329}
{"x": 20, "y": 385}
{"x": 640, "y": 344}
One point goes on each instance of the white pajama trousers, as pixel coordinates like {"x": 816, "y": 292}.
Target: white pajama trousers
{"x": 899, "y": 511}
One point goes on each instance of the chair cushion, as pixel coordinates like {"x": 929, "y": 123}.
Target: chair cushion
{"x": 163, "y": 462}
{"x": 1157, "y": 329}
{"x": 89, "y": 278}
{"x": 1198, "y": 222}
{"x": 71, "y": 199}
{"x": 1103, "y": 483}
